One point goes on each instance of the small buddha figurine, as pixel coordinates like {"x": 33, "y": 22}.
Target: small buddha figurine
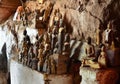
{"x": 108, "y": 35}
{"x": 24, "y": 53}
{"x": 34, "y": 63}
{"x": 46, "y": 65}
{"x": 46, "y": 38}
{"x": 56, "y": 18}
{"x": 99, "y": 36}
{"x": 36, "y": 46}
{"x": 90, "y": 53}
{"x": 25, "y": 48}
{"x": 61, "y": 21}
{"x": 56, "y": 48}
{"x": 40, "y": 51}
{"x": 53, "y": 66}
{"x": 102, "y": 59}
{"x": 61, "y": 35}
{"x": 30, "y": 55}
{"x": 46, "y": 51}
{"x": 53, "y": 40}
{"x": 20, "y": 57}
{"x": 89, "y": 49}
{"x": 26, "y": 38}
{"x": 25, "y": 60}
{"x": 40, "y": 64}
{"x": 55, "y": 29}
{"x": 66, "y": 49}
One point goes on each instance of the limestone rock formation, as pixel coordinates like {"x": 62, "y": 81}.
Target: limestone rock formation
{"x": 92, "y": 14}
{"x": 86, "y": 19}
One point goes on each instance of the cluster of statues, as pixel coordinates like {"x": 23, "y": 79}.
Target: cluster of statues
{"x": 54, "y": 41}
{"x": 57, "y": 40}
{"x": 104, "y": 41}
{"x": 29, "y": 17}
{"x": 99, "y": 61}
{"x": 23, "y": 14}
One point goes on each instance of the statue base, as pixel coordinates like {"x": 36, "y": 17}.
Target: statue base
{"x": 102, "y": 76}
{"x": 21, "y": 74}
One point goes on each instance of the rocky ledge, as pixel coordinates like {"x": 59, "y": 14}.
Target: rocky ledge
{"x": 103, "y": 76}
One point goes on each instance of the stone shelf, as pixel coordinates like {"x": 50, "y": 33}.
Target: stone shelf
{"x": 100, "y": 76}
{"x": 21, "y": 74}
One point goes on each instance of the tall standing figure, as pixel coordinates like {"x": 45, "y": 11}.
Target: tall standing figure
{"x": 108, "y": 35}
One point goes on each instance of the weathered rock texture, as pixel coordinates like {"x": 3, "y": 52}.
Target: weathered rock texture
{"x": 93, "y": 14}
{"x": 105, "y": 76}
{"x": 88, "y": 75}
{"x": 80, "y": 23}
{"x": 7, "y": 8}
{"x": 83, "y": 23}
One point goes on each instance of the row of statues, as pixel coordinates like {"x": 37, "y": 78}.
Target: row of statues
{"x": 56, "y": 39}
{"x": 38, "y": 55}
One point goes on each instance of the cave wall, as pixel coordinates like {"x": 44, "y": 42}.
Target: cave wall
{"x": 94, "y": 14}
{"x": 7, "y": 8}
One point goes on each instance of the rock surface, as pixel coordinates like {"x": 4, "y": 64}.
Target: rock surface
{"x": 7, "y": 8}
{"x": 94, "y": 13}
{"x": 80, "y": 23}
{"x": 24, "y": 75}
{"x": 91, "y": 15}
{"x": 88, "y": 75}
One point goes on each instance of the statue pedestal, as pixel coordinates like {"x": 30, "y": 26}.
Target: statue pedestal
{"x": 114, "y": 56}
{"x": 103, "y": 76}
{"x": 23, "y": 75}
{"x": 88, "y": 75}
{"x": 61, "y": 63}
